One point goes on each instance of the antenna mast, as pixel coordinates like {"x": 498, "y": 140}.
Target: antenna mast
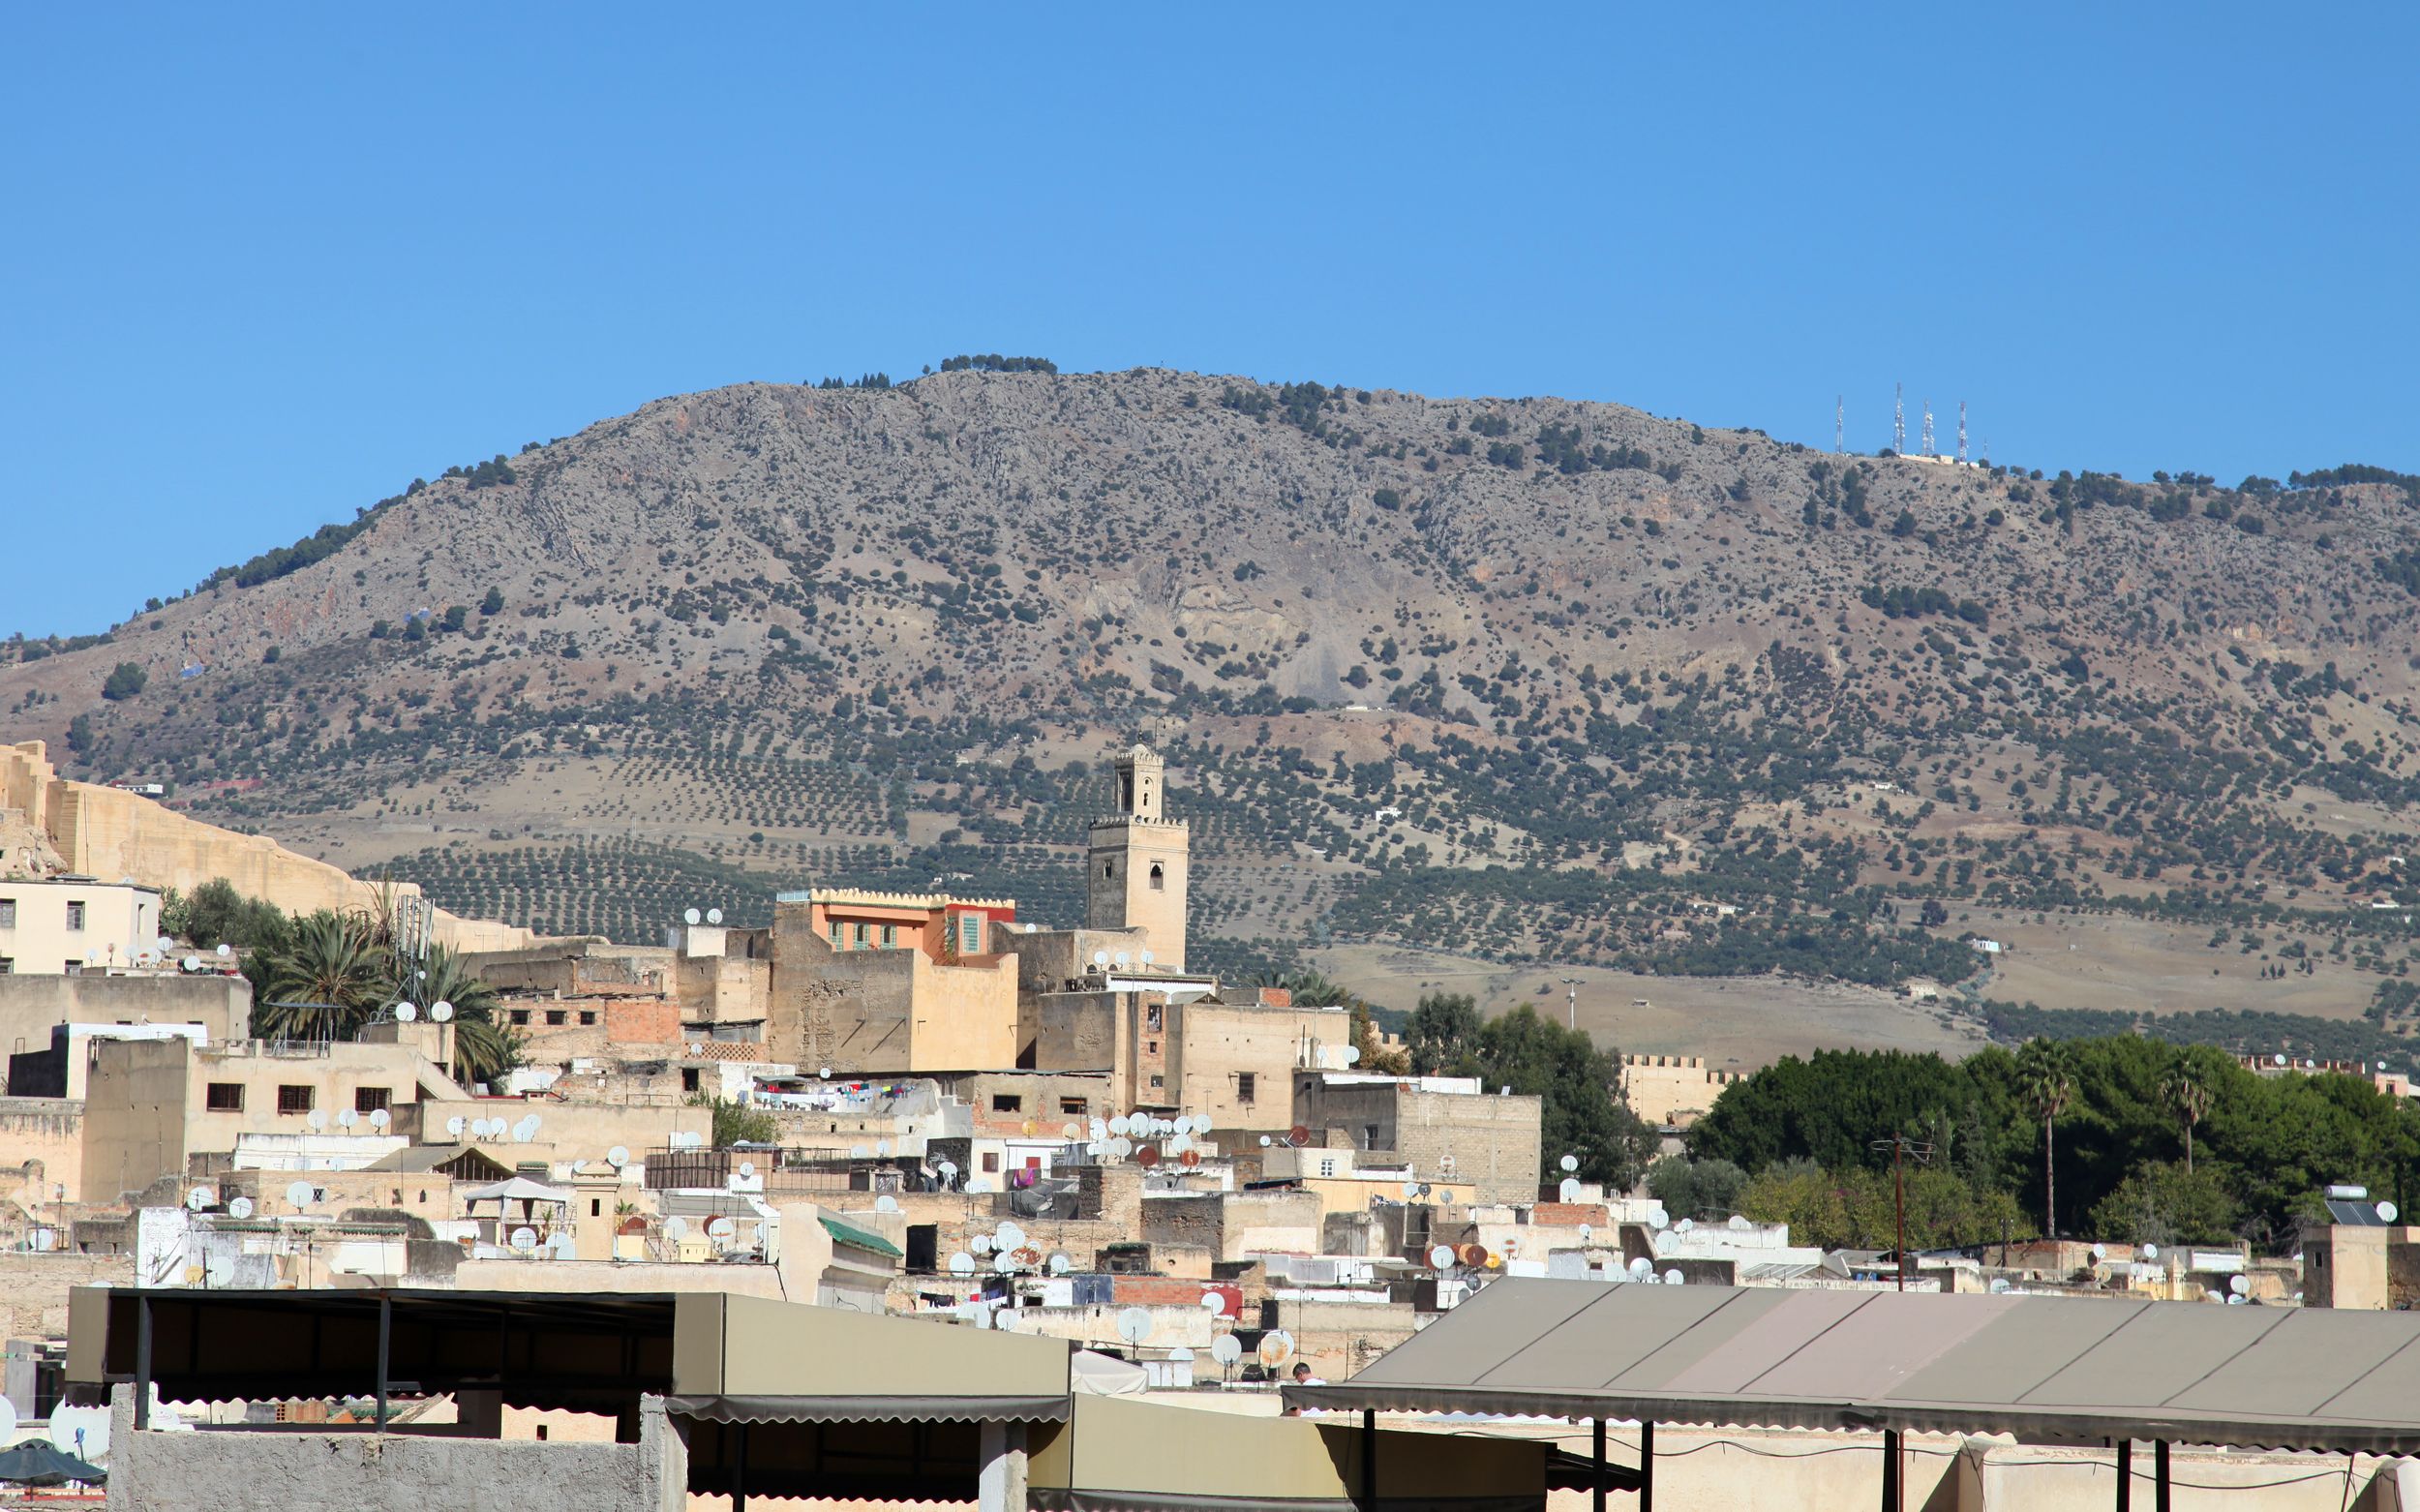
{"x": 1961, "y": 429}
{"x": 1928, "y": 427}
{"x": 1840, "y": 431}
{"x": 1898, "y": 419}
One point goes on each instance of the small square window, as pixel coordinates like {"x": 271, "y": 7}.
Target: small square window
{"x": 992, "y": 1160}
{"x": 75, "y": 914}
{"x": 368, "y": 1099}
{"x": 688, "y": 1078}
{"x": 1076, "y": 1105}
{"x": 225, "y": 1097}
{"x": 1008, "y": 1102}
{"x": 520, "y": 1016}
{"x": 557, "y": 1018}
{"x": 295, "y": 1100}
{"x": 1151, "y": 1047}
{"x": 588, "y": 1017}
{"x": 1158, "y": 1081}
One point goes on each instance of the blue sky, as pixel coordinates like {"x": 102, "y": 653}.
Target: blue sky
{"x": 265, "y": 265}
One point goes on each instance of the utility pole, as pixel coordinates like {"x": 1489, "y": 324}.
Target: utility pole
{"x": 1902, "y": 1150}
{"x": 1571, "y": 999}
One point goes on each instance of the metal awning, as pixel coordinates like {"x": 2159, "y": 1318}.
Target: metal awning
{"x": 2044, "y": 1369}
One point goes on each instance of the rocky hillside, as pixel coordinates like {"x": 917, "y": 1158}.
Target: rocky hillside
{"x": 1516, "y": 678}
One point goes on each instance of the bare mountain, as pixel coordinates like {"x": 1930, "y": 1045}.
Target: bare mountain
{"x": 1507, "y": 680}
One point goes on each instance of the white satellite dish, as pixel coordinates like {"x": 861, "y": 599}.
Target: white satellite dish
{"x": 2151, "y": 1252}
{"x": 379, "y": 1118}
{"x": 1672, "y": 1278}
{"x": 859, "y": 1152}
{"x": 2387, "y": 1212}
{"x": 1441, "y": 1256}
{"x": 1570, "y": 1163}
{"x": 961, "y": 1265}
{"x": 1002, "y": 1262}
{"x": 1264, "y": 1141}
{"x": 563, "y": 1247}
{"x": 690, "y": 916}
{"x": 1352, "y": 1054}
{"x": 886, "y": 1203}
{"x": 748, "y": 1169}
{"x": 225, "y": 950}
{"x": 1684, "y": 1225}
{"x": 1178, "y": 1144}
{"x": 720, "y": 1229}
{"x": 948, "y": 1169}
{"x": 1588, "y": 1232}
{"x": 2237, "y": 1301}
{"x": 1120, "y": 1149}
{"x": 525, "y": 1239}
{"x": 1411, "y": 1189}
{"x": 1569, "y": 1190}
{"x": 1119, "y": 1124}
{"x": 1214, "y": 1304}
{"x": 980, "y": 1244}
{"x": 441, "y": 1012}
{"x": 1060, "y": 1265}
{"x": 1202, "y": 1123}
{"x": 241, "y": 1207}
{"x": 1225, "y": 1349}
{"x": 1145, "y": 958}
{"x": 347, "y": 1119}
{"x": 527, "y": 1130}
{"x": 618, "y": 1156}
{"x": 882, "y": 1147}
{"x": 1071, "y": 1132}
{"x": 714, "y": 916}
{"x": 301, "y": 1195}
{"x": 977, "y": 1186}
{"x": 1100, "y": 958}
{"x": 164, "y": 945}
{"x": 82, "y": 1431}
{"x": 1999, "y": 1285}
{"x": 676, "y": 1228}
{"x": 1124, "y": 961}
{"x": 317, "y": 1118}
{"x": 2238, "y": 1285}
{"x": 2099, "y": 1252}
{"x": 406, "y": 1012}
{"x": 1134, "y": 1325}
{"x": 192, "y": 963}
{"x": 1641, "y": 1267}
{"x": 1009, "y": 1237}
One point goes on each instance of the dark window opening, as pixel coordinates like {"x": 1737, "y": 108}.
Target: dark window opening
{"x": 368, "y": 1099}
{"x": 1008, "y": 1102}
{"x": 295, "y": 1100}
{"x": 557, "y": 1016}
{"x": 225, "y": 1097}
{"x": 1244, "y": 1086}
{"x": 1159, "y": 879}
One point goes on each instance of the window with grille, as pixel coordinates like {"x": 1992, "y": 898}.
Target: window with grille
{"x": 368, "y": 1099}
{"x": 8, "y": 913}
{"x": 889, "y": 934}
{"x": 224, "y": 1097}
{"x": 1244, "y": 1086}
{"x": 75, "y": 915}
{"x": 295, "y": 1100}
{"x": 970, "y": 934}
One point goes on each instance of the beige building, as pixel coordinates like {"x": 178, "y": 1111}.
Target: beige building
{"x": 33, "y": 1008}
{"x": 1186, "y": 1050}
{"x": 71, "y": 924}
{"x": 1136, "y": 869}
{"x": 1671, "y": 1091}
{"x": 1448, "y": 1129}
{"x": 2360, "y": 1259}
{"x": 893, "y": 981}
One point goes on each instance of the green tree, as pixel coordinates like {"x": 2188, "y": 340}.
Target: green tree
{"x": 125, "y": 680}
{"x": 1581, "y": 1114}
{"x": 494, "y": 603}
{"x": 2161, "y": 1204}
{"x": 2185, "y": 1091}
{"x": 1696, "y": 1189}
{"x": 326, "y": 980}
{"x": 2046, "y": 1075}
{"x": 215, "y": 914}
{"x": 735, "y": 1123}
{"x": 1442, "y": 1032}
{"x": 485, "y": 1047}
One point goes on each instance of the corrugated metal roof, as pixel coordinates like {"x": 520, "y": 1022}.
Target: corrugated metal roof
{"x": 2045, "y": 1367}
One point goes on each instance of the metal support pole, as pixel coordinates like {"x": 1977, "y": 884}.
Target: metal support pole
{"x": 1646, "y": 1466}
{"x": 739, "y": 1470}
{"x": 2126, "y": 1474}
{"x": 1368, "y": 1459}
{"x": 1890, "y": 1500}
{"x": 386, "y": 1339}
{"x": 2160, "y": 1475}
{"x": 142, "y": 1362}
{"x": 1597, "y": 1484}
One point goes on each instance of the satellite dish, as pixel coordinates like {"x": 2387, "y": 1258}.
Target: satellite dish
{"x": 1570, "y": 1163}
{"x": 886, "y": 1203}
{"x": 1125, "y": 961}
{"x": 2099, "y": 1252}
{"x": 2151, "y": 1252}
{"x": 1120, "y": 1149}
{"x": 2281, "y": 1060}
{"x": 2236, "y": 1301}
{"x": 379, "y": 1118}
{"x": 301, "y": 1195}
{"x": 1134, "y": 1325}
{"x": 164, "y": 945}
{"x": 192, "y": 963}
{"x": 748, "y": 1169}
{"x": 347, "y": 1119}
{"x": 1009, "y": 1237}
{"x": 1298, "y": 1135}
{"x": 1100, "y": 958}
{"x": 882, "y": 1147}
{"x": 1277, "y": 1347}
{"x": 82, "y": 1431}
{"x": 527, "y": 1130}
{"x": 1411, "y": 1189}
{"x": 1214, "y": 1304}
{"x": 977, "y": 1186}
{"x": 980, "y": 1244}
{"x": 241, "y": 1207}
{"x": 1441, "y": 1256}
{"x": 2238, "y": 1285}
{"x": 1658, "y": 1219}
{"x": 441, "y": 1012}
{"x": 1569, "y": 1190}
{"x": 1202, "y": 1123}
{"x": 563, "y": 1247}
{"x": 1060, "y": 1265}
{"x": 1002, "y": 1262}
{"x": 1118, "y": 1124}
{"x": 859, "y": 1152}
{"x": 1352, "y": 1054}
{"x": 1069, "y": 1131}
{"x": 406, "y": 1012}
{"x": 317, "y": 1118}
{"x": 689, "y": 916}
{"x": 1225, "y": 1349}
{"x": 1641, "y": 1267}
{"x": 1473, "y": 1255}
{"x": 961, "y": 1265}
{"x": 525, "y": 1239}
{"x": 1181, "y": 1144}
{"x": 948, "y": 1169}
{"x": 200, "y": 1198}
{"x": 1148, "y": 1156}
{"x": 1144, "y": 957}
{"x": 1999, "y": 1285}
{"x": 1588, "y": 1232}
{"x": 1672, "y": 1278}
{"x": 618, "y": 1156}
{"x": 225, "y": 950}
{"x": 1684, "y": 1225}
{"x": 676, "y": 1228}
{"x": 714, "y": 916}
{"x": 1264, "y": 1141}
{"x": 2387, "y": 1212}
{"x": 720, "y": 1229}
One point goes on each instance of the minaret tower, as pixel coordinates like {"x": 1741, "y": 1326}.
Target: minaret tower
{"x": 1136, "y": 871}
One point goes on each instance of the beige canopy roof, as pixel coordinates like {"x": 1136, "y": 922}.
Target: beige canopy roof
{"x": 1115, "y": 1454}
{"x": 749, "y": 1360}
{"x": 2045, "y": 1367}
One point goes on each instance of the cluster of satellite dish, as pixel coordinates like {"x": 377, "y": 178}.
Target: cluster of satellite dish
{"x": 1145, "y": 1136}
{"x": 163, "y": 950}
{"x": 712, "y": 915}
{"x": 440, "y": 1011}
{"x": 1006, "y": 1251}
{"x": 377, "y": 1118}
{"x": 1122, "y": 960}
{"x": 520, "y": 1132}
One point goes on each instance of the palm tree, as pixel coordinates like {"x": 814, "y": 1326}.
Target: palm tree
{"x": 2045, "y": 1077}
{"x": 485, "y": 1047}
{"x": 2187, "y": 1093}
{"x": 326, "y": 981}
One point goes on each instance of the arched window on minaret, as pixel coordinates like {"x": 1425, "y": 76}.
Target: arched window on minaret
{"x": 1159, "y": 878}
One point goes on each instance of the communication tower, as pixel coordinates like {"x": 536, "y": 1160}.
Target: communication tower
{"x": 1926, "y": 449}
{"x": 1839, "y": 428}
{"x": 1898, "y": 419}
{"x": 1961, "y": 429}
